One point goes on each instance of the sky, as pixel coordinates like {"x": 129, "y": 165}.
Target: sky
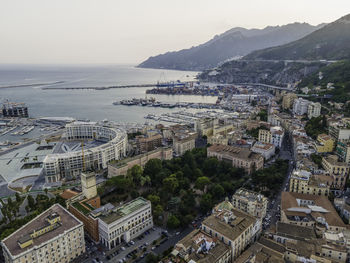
{"x": 129, "y": 31}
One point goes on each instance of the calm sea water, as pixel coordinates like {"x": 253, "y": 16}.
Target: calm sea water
{"x": 89, "y": 104}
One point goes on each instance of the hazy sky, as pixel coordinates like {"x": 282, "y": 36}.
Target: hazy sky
{"x": 129, "y": 31}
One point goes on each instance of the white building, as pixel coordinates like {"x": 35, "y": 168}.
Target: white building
{"x": 277, "y": 134}
{"x": 300, "y": 106}
{"x": 265, "y": 149}
{"x": 123, "y": 223}
{"x": 70, "y": 162}
{"x": 314, "y": 110}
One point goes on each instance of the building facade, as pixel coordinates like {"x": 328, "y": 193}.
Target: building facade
{"x": 149, "y": 142}
{"x": 59, "y": 166}
{"x": 265, "y": 149}
{"x": 250, "y": 202}
{"x": 300, "y": 106}
{"x": 53, "y": 236}
{"x": 183, "y": 143}
{"x": 237, "y": 157}
{"x": 288, "y": 100}
{"x": 304, "y": 182}
{"x": 123, "y": 223}
{"x": 314, "y": 110}
{"x": 337, "y": 170}
{"x": 324, "y": 143}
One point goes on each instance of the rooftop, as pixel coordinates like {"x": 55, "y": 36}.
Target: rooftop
{"x": 68, "y": 221}
{"x": 114, "y": 213}
{"x": 250, "y": 195}
{"x": 234, "y": 151}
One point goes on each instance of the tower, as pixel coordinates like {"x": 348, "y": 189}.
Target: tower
{"x": 88, "y": 185}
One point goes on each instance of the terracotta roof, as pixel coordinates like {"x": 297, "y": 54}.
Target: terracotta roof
{"x": 289, "y": 200}
{"x": 68, "y": 194}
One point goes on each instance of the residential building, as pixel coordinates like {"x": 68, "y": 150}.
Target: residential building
{"x": 53, "y": 236}
{"x": 304, "y": 182}
{"x": 274, "y": 136}
{"x": 314, "y": 110}
{"x": 250, "y": 202}
{"x": 217, "y": 139}
{"x": 231, "y": 226}
{"x": 288, "y": 100}
{"x": 340, "y": 130}
{"x": 123, "y": 223}
{"x": 324, "y": 143}
{"x": 265, "y": 149}
{"x": 311, "y": 211}
{"x": 149, "y": 142}
{"x": 68, "y": 162}
{"x": 238, "y": 157}
{"x": 300, "y": 106}
{"x": 343, "y": 151}
{"x": 199, "y": 247}
{"x": 184, "y": 142}
{"x": 121, "y": 167}
{"x": 338, "y": 170}
{"x": 205, "y": 126}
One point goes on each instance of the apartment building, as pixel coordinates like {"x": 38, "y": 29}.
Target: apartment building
{"x": 337, "y": 170}
{"x": 314, "y": 110}
{"x": 231, "y": 226}
{"x": 274, "y": 136}
{"x": 238, "y": 157}
{"x": 340, "y": 130}
{"x": 324, "y": 143}
{"x": 53, "y": 236}
{"x": 264, "y": 136}
{"x": 183, "y": 142}
{"x": 200, "y": 247}
{"x": 250, "y": 202}
{"x": 304, "y": 182}
{"x": 267, "y": 150}
{"x": 300, "y": 106}
{"x": 288, "y": 100}
{"x": 342, "y": 150}
{"x": 149, "y": 142}
{"x": 123, "y": 223}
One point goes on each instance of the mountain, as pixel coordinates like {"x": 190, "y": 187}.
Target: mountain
{"x": 235, "y": 42}
{"x": 331, "y": 42}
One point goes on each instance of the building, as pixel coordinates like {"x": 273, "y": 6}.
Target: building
{"x": 264, "y": 136}
{"x": 123, "y": 223}
{"x": 274, "y": 136}
{"x": 265, "y": 149}
{"x": 11, "y": 109}
{"x": 53, "y": 236}
{"x": 238, "y": 157}
{"x": 288, "y": 100}
{"x": 340, "y": 130}
{"x": 205, "y": 126}
{"x": 304, "y": 182}
{"x": 314, "y": 211}
{"x": 122, "y": 167}
{"x": 217, "y": 139}
{"x": 338, "y": 170}
{"x": 343, "y": 151}
{"x": 300, "y": 106}
{"x": 199, "y": 247}
{"x": 314, "y": 110}
{"x": 70, "y": 158}
{"x": 183, "y": 142}
{"x": 231, "y": 226}
{"x": 88, "y": 184}
{"x": 250, "y": 202}
{"x": 324, "y": 143}
{"x": 149, "y": 142}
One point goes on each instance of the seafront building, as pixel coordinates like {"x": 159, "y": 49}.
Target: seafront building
{"x": 238, "y": 157}
{"x": 53, "y": 236}
{"x": 70, "y": 157}
{"x": 123, "y": 223}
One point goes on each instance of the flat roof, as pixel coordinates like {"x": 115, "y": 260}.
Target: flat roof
{"x": 68, "y": 221}
{"x": 124, "y": 210}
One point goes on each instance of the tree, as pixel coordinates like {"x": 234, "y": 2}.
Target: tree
{"x": 155, "y": 199}
{"x": 135, "y": 173}
{"x": 206, "y": 203}
{"x": 170, "y": 183}
{"x": 202, "y": 182}
{"x": 152, "y": 168}
{"x": 217, "y": 191}
{"x": 157, "y": 211}
{"x": 173, "y": 222}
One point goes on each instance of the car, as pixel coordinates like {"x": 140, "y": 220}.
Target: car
{"x": 146, "y": 244}
{"x": 120, "y": 261}
{"x": 177, "y": 233}
{"x": 108, "y": 257}
{"x": 122, "y": 248}
{"x": 153, "y": 248}
{"x": 132, "y": 243}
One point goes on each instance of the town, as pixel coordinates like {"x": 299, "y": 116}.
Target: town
{"x": 263, "y": 177}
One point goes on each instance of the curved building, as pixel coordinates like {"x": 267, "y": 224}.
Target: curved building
{"x": 87, "y": 146}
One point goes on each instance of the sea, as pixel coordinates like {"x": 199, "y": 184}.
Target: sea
{"x": 94, "y": 105}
